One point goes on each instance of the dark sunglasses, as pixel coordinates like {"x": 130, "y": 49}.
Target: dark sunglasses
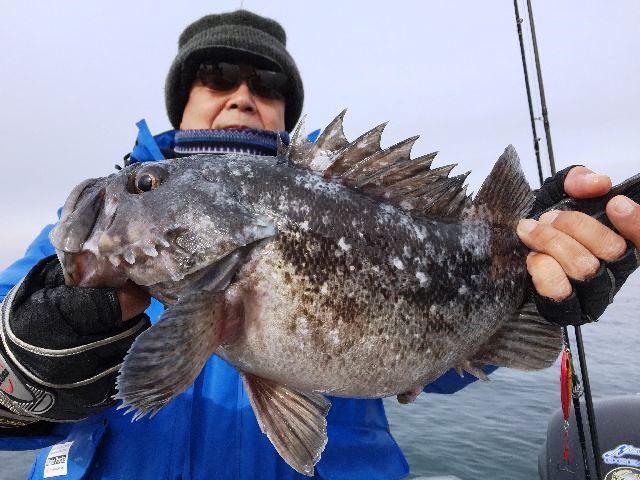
{"x": 224, "y": 76}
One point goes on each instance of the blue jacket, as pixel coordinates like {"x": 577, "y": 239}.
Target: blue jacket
{"x": 210, "y": 430}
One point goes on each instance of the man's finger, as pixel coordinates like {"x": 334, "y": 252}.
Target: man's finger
{"x": 583, "y": 183}
{"x": 601, "y": 241}
{"x": 577, "y": 262}
{"x": 624, "y": 214}
{"x": 548, "y": 276}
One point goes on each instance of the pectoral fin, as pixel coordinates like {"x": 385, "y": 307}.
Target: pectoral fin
{"x": 164, "y": 360}
{"x": 294, "y": 421}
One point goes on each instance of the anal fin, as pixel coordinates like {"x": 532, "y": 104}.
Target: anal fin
{"x": 525, "y": 342}
{"x": 294, "y": 421}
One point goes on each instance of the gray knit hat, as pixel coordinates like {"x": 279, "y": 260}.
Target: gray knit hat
{"x": 235, "y": 36}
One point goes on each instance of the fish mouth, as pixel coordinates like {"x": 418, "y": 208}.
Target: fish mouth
{"x": 84, "y": 269}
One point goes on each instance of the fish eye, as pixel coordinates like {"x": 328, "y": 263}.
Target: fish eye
{"x": 146, "y": 182}
{"x": 147, "y": 179}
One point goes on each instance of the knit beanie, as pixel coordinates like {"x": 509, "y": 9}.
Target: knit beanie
{"x": 239, "y": 36}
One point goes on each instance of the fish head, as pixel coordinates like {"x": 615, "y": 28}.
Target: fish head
{"x": 154, "y": 223}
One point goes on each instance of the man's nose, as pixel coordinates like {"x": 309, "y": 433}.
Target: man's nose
{"x": 242, "y": 99}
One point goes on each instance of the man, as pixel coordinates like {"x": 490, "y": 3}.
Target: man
{"x": 233, "y": 86}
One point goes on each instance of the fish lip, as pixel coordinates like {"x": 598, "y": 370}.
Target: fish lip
{"x": 76, "y": 194}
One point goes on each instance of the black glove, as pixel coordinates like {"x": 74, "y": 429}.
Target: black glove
{"x": 590, "y": 297}
{"x": 60, "y": 348}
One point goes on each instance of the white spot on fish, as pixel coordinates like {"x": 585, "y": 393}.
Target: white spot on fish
{"x": 463, "y": 290}
{"x": 110, "y": 206}
{"x": 320, "y": 163}
{"x": 301, "y": 325}
{"x": 407, "y": 205}
{"x": 422, "y": 278}
{"x": 115, "y": 260}
{"x": 407, "y": 251}
{"x": 305, "y": 225}
{"x": 150, "y": 250}
{"x": 421, "y": 232}
{"x": 129, "y": 257}
{"x": 397, "y": 263}
{"x": 324, "y": 289}
{"x": 344, "y": 245}
{"x": 333, "y": 336}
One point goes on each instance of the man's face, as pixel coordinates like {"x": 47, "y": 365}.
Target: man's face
{"x": 236, "y": 108}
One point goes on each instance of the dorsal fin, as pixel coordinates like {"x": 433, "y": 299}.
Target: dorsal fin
{"x": 398, "y": 171}
{"x": 505, "y": 196}
{"x": 389, "y": 175}
{"x": 380, "y": 160}
{"x": 282, "y": 149}
{"x": 328, "y": 144}
{"x": 299, "y": 146}
{"x": 446, "y": 199}
{"x": 362, "y": 147}
{"x": 415, "y": 185}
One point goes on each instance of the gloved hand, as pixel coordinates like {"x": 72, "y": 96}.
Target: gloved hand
{"x": 589, "y": 296}
{"x": 60, "y": 347}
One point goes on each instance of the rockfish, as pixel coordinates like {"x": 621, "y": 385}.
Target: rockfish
{"x": 334, "y": 268}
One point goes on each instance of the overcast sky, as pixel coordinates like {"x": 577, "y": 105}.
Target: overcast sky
{"x": 76, "y": 76}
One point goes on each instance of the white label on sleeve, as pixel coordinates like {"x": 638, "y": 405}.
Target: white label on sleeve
{"x": 56, "y": 464}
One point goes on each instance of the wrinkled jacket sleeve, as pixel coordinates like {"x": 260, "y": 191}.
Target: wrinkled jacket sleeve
{"x": 35, "y": 435}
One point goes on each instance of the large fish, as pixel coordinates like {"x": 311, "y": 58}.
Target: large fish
{"x": 334, "y": 268}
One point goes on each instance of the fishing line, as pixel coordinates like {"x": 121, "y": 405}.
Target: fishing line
{"x": 581, "y": 353}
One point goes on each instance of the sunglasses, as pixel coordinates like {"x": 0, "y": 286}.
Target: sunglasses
{"x": 224, "y": 76}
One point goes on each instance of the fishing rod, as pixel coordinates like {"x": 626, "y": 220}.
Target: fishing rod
{"x": 536, "y": 139}
{"x": 578, "y": 332}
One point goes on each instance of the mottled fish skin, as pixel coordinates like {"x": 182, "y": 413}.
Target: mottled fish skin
{"x": 373, "y": 300}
